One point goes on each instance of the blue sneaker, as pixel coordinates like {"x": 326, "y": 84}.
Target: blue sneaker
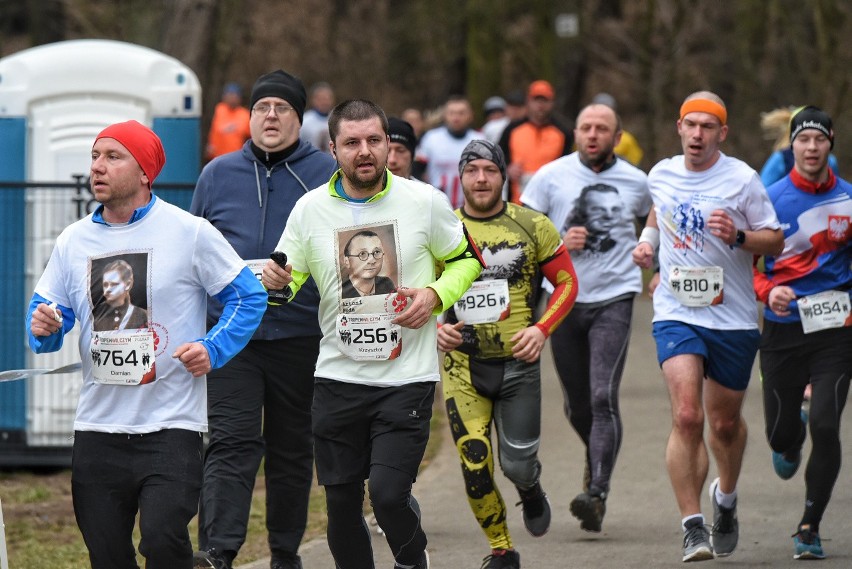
{"x": 808, "y": 544}
{"x": 787, "y": 463}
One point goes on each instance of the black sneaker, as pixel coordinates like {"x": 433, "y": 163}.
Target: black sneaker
{"x": 211, "y": 559}
{"x": 536, "y": 510}
{"x": 285, "y": 560}
{"x": 590, "y": 510}
{"x": 502, "y": 559}
{"x": 422, "y": 564}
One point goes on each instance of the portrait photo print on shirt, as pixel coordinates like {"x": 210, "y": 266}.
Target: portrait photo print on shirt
{"x": 119, "y": 291}
{"x": 367, "y": 260}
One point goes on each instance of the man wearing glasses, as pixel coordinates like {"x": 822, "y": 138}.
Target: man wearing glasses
{"x": 363, "y": 259}
{"x": 259, "y": 404}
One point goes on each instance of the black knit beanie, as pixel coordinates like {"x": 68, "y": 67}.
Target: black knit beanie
{"x": 402, "y": 132}
{"x": 811, "y": 117}
{"x": 282, "y": 85}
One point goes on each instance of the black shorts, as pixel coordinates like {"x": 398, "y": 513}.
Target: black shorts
{"x": 356, "y": 426}
{"x": 789, "y": 357}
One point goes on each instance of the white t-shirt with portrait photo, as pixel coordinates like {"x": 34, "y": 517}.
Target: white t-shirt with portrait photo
{"x": 605, "y": 268}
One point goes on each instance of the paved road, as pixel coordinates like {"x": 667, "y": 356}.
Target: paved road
{"x": 642, "y": 525}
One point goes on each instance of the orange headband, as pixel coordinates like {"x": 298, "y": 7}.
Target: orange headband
{"x": 704, "y": 106}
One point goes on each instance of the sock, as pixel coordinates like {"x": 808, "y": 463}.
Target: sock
{"x": 726, "y": 501}
{"x": 691, "y": 520}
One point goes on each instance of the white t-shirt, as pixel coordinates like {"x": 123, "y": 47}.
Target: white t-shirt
{"x": 314, "y": 129}
{"x": 683, "y": 202}
{"x": 177, "y": 260}
{"x": 442, "y": 151}
{"x": 607, "y": 204}
{"x": 493, "y": 130}
{"x": 416, "y": 226}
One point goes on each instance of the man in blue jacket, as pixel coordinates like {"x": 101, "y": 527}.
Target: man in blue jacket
{"x": 259, "y": 404}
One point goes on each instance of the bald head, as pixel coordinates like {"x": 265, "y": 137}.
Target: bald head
{"x": 597, "y": 133}
{"x": 709, "y": 95}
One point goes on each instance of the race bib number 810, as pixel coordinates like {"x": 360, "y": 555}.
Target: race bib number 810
{"x": 697, "y": 286}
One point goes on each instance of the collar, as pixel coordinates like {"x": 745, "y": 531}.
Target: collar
{"x": 139, "y": 213}
{"x": 335, "y": 188}
{"x": 269, "y": 159}
{"x": 813, "y": 187}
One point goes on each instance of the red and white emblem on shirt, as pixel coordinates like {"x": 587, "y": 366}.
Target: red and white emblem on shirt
{"x": 838, "y": 227}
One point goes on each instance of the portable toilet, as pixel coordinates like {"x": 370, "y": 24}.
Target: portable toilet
{"x": 54, "y": 100}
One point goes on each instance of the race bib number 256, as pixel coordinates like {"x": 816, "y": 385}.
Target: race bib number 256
{"x": 369, "y": 336}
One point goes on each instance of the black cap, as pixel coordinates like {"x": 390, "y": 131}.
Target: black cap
{"x": 282, "y": 85}
{"x": 814, "y": 118}
{"x": 402, "y": 132}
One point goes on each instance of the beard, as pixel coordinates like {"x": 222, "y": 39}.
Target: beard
{"x": 363, "y": 182}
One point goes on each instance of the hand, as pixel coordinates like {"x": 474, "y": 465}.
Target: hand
{"x": 194, "y": 358}
{"x": 449, "y": 336}
{"x": 722, "y": 226}
{"x": 275, "y": 277}
{"x": 780, "y": 298}
{"x": 421, "y": 302}
{"x": 643, "y": 255}
{"x": 527, "y": 344}
{"x": 653, "y": 284}
{"x": 44, "y": 321}
{"x": 575, "y": 238}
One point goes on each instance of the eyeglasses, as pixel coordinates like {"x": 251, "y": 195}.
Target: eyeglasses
{"x": 364, "y": 255}
{"x": 263, "y": 109}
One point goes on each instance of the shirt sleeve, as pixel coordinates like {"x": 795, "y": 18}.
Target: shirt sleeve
{"x": 244, "y": 303}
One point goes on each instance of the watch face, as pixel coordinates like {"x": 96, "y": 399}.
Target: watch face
{"x": 741, "y": 237}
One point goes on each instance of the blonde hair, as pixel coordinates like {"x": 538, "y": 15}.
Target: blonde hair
{"x": 776, "y": 126}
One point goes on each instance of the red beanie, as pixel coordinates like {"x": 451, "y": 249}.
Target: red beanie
{"x": 142, "y": 143}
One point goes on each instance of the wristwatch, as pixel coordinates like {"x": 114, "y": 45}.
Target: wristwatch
{"x": 741, "y": 237}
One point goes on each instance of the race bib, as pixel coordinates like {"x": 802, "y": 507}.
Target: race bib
{"x": 123, "y": 357}
{"x": 256, "y": 267}
{"x": 829, "y": 309}
{"x": 697, "y": 286}
{"x": 364, "y": 337}
{"x": 484, "y": 301}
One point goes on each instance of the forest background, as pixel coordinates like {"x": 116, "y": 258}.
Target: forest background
{"x": 756, "y": 54}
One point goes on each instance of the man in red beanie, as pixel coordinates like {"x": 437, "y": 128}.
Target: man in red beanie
{"x": 143, "y": 403}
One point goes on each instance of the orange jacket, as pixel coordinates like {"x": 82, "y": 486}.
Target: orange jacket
{"x": 531, "y": 147}
{"x": 228, "y": 131}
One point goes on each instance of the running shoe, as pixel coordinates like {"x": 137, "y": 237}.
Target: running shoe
{"x": 726, "y": 529}
{"x": 807, "y": 543}
{"x": 210, "y": 559}
{"x": 696, "y": 542}
{"x": 787, "y": 463}
{"x": 536, "y": 510}
{"x": 422, "y": 564}
{"x": 590, "y": 510}
{"x": 285, "y": 560}
{"x": 502, "y": 559}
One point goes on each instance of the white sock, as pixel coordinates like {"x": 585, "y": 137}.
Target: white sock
{"x": 690, "y": 518}
{"x": 726, "y": 500}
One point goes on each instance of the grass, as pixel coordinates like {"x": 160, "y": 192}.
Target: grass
{"x": 41, "y": 532}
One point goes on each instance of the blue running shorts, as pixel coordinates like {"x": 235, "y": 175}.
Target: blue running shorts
{"x": 728, "y": 354}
